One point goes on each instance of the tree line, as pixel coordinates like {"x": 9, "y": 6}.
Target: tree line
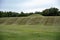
{"x": 46, "y": 12}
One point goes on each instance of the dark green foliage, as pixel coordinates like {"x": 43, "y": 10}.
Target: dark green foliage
{"x": 37, "y": 12}
{"x": 50, "y": 12}
{"x": 8, "y": 14}
{"x": 59, "y": 12}
{"x": 22, "y": 14}
{"x": 46, "y": 12}
{"x": 1, "y": 13}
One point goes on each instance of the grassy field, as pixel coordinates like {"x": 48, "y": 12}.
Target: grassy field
{"x": 30, "y": 28}
{"x": 29, "y": 32}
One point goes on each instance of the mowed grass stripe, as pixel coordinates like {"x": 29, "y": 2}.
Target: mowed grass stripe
{"x": 44, "y": 21}
{"x": 2, "y": 20}
{"x": 11, "y": 20}
{"x": 57, "y": 22}
{"x": 35, "y": 20}
{"x": 21, "y": 21}
{"x": 50, "y": 21}
{"x": 18, "y": 21}
{"x": 25, "y": 21}
{"x": 31, "y": 20}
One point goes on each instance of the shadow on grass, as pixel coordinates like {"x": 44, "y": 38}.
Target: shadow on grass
{"x": 1, "y": 37}
{"x": 57, "y": 36}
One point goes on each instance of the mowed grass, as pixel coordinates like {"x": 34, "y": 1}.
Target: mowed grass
{"x": 30, "y": 28}
{"x": 35, "y": 20}
{"x": 29, "y": 32}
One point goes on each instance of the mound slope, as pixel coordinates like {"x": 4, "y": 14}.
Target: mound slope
{"x": 31, "y": 20}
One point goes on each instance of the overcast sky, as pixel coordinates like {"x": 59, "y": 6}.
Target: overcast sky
{"x": 27, "y": 5}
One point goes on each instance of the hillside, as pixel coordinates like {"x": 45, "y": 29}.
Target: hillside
{"x": 35, "y": 20}
{"x": 34, "y": 27}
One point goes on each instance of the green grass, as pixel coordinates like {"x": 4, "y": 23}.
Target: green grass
{"x": 29, "y": 32}
{"x": 34, "y": 27}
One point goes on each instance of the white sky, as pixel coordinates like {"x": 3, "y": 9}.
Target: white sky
{"x": 28, "y": 5}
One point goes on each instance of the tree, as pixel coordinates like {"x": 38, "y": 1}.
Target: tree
{"x": 21, "y": 14}
{"x": 50, "y": 12}
{"x": 59, "y": 13}
{"x": 37, "y": 12}
{"x": 1, "y": 13}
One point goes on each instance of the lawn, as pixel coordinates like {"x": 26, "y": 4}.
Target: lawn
{"x": 29, "y": 32}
